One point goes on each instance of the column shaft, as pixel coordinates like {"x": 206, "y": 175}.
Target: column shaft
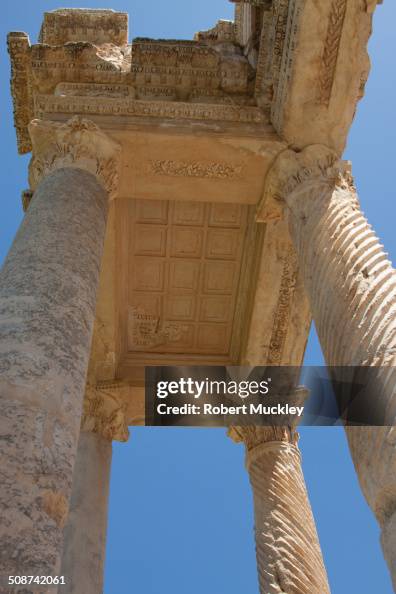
{"x": 352, "y": 291}
{"x": 47, "y": 308}
{"x": 289, "y": 559}
{"x": 85, "y": 530}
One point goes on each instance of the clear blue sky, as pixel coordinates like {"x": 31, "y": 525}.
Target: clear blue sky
{"x": 181, "y": 510}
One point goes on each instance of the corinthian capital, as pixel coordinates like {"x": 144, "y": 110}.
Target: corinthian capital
{"x": 254, "y": 436}
{"x": 315, "y": 165}
{"x": 77, "y": 143}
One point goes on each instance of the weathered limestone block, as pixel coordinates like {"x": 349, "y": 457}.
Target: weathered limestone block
{"x": 352, "y": 291}
{"x": 98, "y": 26}
{"x": 47, "y": 308}
{"x": 289, "y": 559}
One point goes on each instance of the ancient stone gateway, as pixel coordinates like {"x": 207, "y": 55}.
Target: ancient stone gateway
{"x": 187, "y": 205}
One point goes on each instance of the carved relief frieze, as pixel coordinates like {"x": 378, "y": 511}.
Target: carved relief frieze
{"x": 283, "y": 308}
{"x": 147, "y": 330}
{"x": 212, "y": 170}
{"x": 331, "y": 50}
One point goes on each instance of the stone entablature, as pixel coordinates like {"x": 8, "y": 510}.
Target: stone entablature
{"x": 246, "y": 71}
{"x": 85, "y": 54}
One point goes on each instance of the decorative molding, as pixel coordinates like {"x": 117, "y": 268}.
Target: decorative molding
{"x": 290, "y": 170}
{"x": 212, "y": 170}
{"x": 18, "y": 47}
{"x": 283, "y": 308}
{"x": 50, "y": 104}
{"x": 286, "y": 64}
{"x": 331, "y": 50}
{"x": 78, "y": 143}
{"x": 105, "y": 410}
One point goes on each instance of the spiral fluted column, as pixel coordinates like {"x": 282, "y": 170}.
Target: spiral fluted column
{"x": 289, "y": 558}
{"x": 351, "y": 286}
{"x": 47, "y": 308}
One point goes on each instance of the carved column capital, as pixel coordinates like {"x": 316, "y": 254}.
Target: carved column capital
{"x": 316, "y": 165}
{"x": 77, "y": 143}
{"x": 256, "y": 437}
{"x": 105, "y": 411}
{"x": 253, "y": 436}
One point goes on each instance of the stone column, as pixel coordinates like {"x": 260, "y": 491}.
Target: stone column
{"x": 351, "y": 286}
{"x": 289, "y": 558}
{"x": 85, "y": 531}
{"x": 47, "y": 308}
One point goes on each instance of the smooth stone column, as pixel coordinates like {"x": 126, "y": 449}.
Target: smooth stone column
{"x": 47, "y": 308}
{"x": 351, "y": 286}
{"x": 289, "y": 558}
{"x": 103, "y": 421}
{"x": 85, "y": 530}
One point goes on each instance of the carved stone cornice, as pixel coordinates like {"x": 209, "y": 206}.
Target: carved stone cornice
{"x": 84, "y": 65}
{"x": 105, "y": 410}
{"x": 290, "y": 170}
{"x": 78, "y": 143}
{"x": 167, "y": 110}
